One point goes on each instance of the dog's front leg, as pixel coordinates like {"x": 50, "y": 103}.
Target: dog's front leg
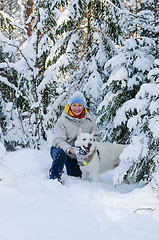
{"x": 85, "y": 175}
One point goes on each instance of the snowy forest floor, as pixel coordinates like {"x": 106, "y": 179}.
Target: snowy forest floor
{"x": 36, "y": 208}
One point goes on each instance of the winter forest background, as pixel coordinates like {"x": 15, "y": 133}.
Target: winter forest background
{"x": 108, "y": 49}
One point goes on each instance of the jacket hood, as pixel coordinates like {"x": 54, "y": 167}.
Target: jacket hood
{"x": 68, "y": 110}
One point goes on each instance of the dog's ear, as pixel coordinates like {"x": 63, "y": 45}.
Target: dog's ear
{"x": 93, "y": 133}
{"x": 79, "y": 132}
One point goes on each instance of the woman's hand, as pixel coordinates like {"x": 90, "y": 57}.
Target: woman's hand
{"x": 71, "y": 151}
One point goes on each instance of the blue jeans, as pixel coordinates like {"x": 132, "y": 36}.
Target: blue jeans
{"x": 59, "y": 160}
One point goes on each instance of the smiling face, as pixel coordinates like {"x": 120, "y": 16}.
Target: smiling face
{"x": 77, "y": 108}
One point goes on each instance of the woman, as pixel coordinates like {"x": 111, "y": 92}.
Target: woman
{"x": 75, "y": 116}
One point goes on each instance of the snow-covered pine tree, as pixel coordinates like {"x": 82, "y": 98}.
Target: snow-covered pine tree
{"x": 66, "y": 55}
{"x": 83, "y": 45}
{"x": 30, "y": 94}
{"x": 12, "y": 10}
{"x": 103, "y": 33}
{"x": 59, "y": 64}
{"x": 140, "y": 114}
{"x": 8, "y": 80}
{"x": 127, "y": 71}
{"x": 48, "y": 86}
{"x": 140, "y": 158}
{"x": 41, "y": 23}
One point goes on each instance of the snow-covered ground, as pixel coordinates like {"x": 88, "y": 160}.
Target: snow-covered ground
{"x": 32, "y": 207}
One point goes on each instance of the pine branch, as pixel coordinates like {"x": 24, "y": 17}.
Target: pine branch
{"x": 13, "y": 45}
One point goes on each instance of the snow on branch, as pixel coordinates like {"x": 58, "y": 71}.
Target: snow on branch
{"x": 142, "y": 101}
{"x": 5, "y": 81}
{"x": 15, "y": 44}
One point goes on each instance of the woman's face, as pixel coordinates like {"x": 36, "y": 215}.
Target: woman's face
{"x": 77, "y": 108}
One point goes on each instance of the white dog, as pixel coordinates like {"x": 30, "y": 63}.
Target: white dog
{"x": 97, "y": 157}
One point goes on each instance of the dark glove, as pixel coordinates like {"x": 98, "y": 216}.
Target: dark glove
{"x": 79, "y": 151}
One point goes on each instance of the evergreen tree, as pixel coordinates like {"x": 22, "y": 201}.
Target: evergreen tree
{"x": 8, "y": 77}
{"x": 30, "y": 97}
{"x": 83, "y": 45}
{"x": 140, "y": 158}
{"x": 138, "y": 113}
{"x": 126, "y": 72}
{"x": 41, "y": 38}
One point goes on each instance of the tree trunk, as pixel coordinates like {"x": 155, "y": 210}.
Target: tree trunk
{"x": 156, "y": 19}
{"x": 29, "y": 10}
{"x": 89, "y": 29}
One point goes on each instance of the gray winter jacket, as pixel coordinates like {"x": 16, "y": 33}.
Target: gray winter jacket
{"x": 66, "y": 130}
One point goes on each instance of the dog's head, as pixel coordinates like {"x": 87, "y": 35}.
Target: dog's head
{"x": 85, "y": 141}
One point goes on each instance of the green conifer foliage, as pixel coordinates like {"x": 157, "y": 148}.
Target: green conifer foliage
{"x": 137, "y": 92}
